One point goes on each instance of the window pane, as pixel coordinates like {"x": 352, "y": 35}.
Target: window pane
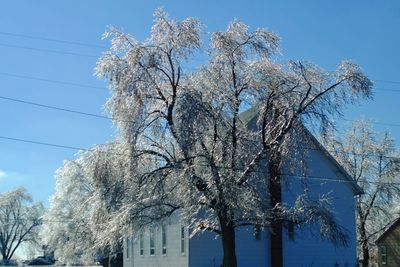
{"x": 164, "y": 239}
{"x": 383, "y": 250}
{"x": 152, "y": 243}
{"x": 183, "y": 240}
{"x": 127, "y": 247}
{"x": 141, "y": 241}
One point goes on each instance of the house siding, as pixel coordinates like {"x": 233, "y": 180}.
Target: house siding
{"x": 391, "y": 240}
{"x": 173, "y": 257}
{"x": 206, "y": 249}
{"x": 308, "y": 248}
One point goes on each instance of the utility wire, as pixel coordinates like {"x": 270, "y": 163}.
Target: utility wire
{"x": 295, "y": 176}
{"x": 106, "y": 117}
{"x": 100, "y": 47}
{"x": 103, "y": 47}
{"x": 48, "y": 50}
{"x": 52, "y": 40}
{"x": 42, "y": 143}
{"x": 54, "y": 107}
{"x": 109, "y": 118}
{"x": 50, "y": 80}
{"x": 378, "y": 123}
{"x": 321, "y": 178}
{"x": 104, "y": 88}
{"x": 388, "y": 81}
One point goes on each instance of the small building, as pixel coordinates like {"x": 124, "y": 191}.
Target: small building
{"x": 388, "y": 245}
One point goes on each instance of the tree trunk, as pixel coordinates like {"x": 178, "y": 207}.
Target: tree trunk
{"x": 275, "y": 192}
{"x": 117, "y": 260}
{"x": 364, "y": 245}
{"x": 106, "y": 261}
{"x": 228, "y": 244}
{"x": 365, "y": 252}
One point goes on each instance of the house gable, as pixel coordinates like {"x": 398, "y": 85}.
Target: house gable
{"x": 388, "y": 245}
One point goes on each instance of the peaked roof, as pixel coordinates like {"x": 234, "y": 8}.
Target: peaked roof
{"x": 388, "y": 230}
{"x": 249, "y": 117}
{"x": 357, "y": 190}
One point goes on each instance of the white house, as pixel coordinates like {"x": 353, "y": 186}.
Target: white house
{"x": 169, "y": 245}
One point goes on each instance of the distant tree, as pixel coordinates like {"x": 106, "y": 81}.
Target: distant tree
{"x": 374, "y": 163}
{"x": 183, "y": 145}
{"x": 20, "y": 219}
{"x": 79, "y": 216}
{"x": 66, "y": 227}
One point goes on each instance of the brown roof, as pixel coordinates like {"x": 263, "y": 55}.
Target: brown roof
{"x": 388, "y": 230}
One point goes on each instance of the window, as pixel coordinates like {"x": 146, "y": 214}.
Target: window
{"x": 152, "y": 243}
{"x": 183, "y": 240}
{"x": 141, "y": 243}
{"x": 164, "y": 239}
{"x": 290, "y": 230}
{"x": 128, "y": 242}
{"x": 383, "y": 251}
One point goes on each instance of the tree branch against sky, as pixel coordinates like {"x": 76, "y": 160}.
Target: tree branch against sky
{"x": 19, "y": 221}
{"x": 372, "y": 160}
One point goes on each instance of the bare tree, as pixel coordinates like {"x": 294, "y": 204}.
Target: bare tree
{"x": 189, "y": 149}
{"x": 19, "y": 221}
{"x": 374, "y": 163}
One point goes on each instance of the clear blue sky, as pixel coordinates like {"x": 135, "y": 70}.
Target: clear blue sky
{"x": 321, "y": 31}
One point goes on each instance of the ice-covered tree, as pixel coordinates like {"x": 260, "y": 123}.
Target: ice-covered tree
{"x": 20, "y": 219}
{"x": 67, "y": 222}
{"x": 374, "y": 163}
{"x": 88, "y": 189}
{"x": 189, "y": 148}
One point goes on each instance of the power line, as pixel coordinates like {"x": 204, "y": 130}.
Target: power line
{"x": 106, "y": 117}
{"x": 311, "y": 177}
{"x": 50, "y": 80}
{"x": 101, "y": 47}
{"x": 104, "y": 88}
{"x": 378, "y": 123}
{"x": 387, "y": 89}
{"x": 109, "y": 118}
{"x": 387, "y": 81}
{"x": 48, "y": 50}
{"x": 42, "y": 143}
{"x": 52, "y": 40}
{"x": 54, "y": 107}
{"x": 321, "y": 178}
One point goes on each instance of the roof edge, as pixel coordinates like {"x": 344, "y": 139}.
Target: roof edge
{"x": 357, "y": 190}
